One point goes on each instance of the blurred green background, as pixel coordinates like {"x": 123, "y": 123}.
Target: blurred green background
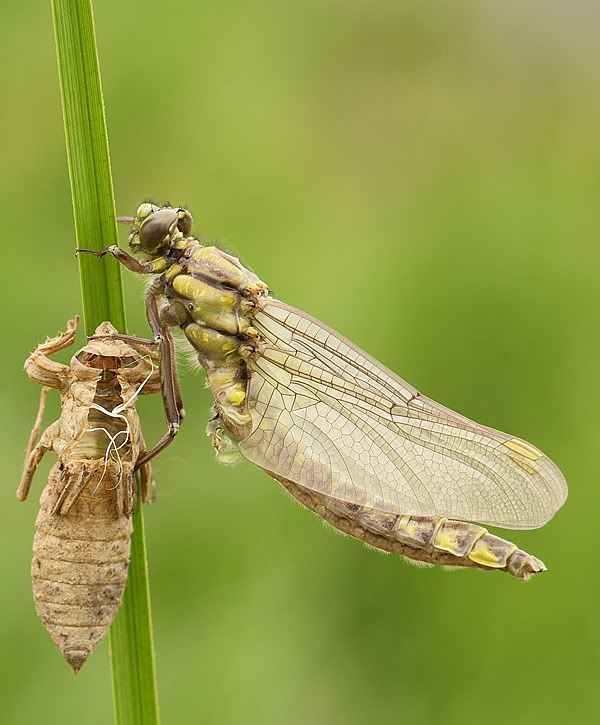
{"x": 422, "y": 176}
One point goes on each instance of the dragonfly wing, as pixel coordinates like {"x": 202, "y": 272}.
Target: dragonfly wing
{"x": 329, "y": 417}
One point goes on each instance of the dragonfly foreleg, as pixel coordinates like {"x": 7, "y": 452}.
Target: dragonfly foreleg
{"x": 124, "y": 258}
{"x": 41, "y": 368}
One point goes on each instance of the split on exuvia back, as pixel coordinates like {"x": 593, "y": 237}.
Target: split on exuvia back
{"x": 347, "y": 437}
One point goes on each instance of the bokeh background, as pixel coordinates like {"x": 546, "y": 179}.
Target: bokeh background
{"x": 422, "y": 176}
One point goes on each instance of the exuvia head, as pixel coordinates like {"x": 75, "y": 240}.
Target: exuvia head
{"x": 156, "y": 227}
{"x": 102, "y": 345}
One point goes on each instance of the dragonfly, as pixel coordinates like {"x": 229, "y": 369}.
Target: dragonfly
{"x": 350, "y": 439}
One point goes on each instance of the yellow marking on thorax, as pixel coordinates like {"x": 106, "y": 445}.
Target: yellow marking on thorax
{"x": 237, "y": 397}
{"x": 188, "y": 286}
{"x": 524, "y": 448}
{"x": 223, "y": 377}
{"x": 200, "y": 254}
{"x": 159, "y": 265}
{"x": 173, "y": 271}
{"x": 213, "y": 347}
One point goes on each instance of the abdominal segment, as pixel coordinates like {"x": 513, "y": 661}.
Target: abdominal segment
{"x": 80, "y": 557}
{"x": 423, "y": 539}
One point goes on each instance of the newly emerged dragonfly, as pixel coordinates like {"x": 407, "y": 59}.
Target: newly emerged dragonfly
{"x": 347, "y": 437}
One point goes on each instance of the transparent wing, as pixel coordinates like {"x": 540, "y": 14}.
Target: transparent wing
{"x": 331, "y": 418}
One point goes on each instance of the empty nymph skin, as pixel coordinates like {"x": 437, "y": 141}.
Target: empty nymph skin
{"x": 81, "y": 547}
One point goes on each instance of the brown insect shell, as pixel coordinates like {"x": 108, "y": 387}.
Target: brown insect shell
{"x": 130, "y": 365}
{"x": 81, "y": 553}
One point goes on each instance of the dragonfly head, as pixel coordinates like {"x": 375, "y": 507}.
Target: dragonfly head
{"x": 155, "y": 228}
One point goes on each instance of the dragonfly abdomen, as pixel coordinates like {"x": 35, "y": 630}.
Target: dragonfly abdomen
{"x": 425, "y": 539}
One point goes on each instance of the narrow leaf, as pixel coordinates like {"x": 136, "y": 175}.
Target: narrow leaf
{"x": 131, "y": 643}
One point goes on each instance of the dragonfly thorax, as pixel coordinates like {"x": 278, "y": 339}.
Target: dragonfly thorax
{"x": 211, "y": 296}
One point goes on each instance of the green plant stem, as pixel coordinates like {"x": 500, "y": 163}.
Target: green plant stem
{"x": 131, "y": 643}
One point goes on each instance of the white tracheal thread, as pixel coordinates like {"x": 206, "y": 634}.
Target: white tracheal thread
{"x": 112, "y": 450}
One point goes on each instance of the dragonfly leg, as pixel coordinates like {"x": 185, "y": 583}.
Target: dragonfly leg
{"x": 36, "y": 450}
{"x": 50, "y": 374}
{"x": 123, "y": 258}
{"x": 126, "y": 338}
{"x": 147, "y": 488}
{"x": 73, "y": 479}
{"x": 31, "y": 464}
{"x": 171, "y": 390}
{"x": 147, "y": 484}
{"x": 41, "y": 368}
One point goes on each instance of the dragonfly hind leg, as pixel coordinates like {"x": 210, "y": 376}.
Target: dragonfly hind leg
{"x": 169, "y": 377}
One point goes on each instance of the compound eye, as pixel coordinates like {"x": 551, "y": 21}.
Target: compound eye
{"x": 155, "y": 228}
{"x": 184, "y": 222}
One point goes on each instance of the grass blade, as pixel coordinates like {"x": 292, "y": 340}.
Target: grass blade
{"x": 131, "y": 643}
